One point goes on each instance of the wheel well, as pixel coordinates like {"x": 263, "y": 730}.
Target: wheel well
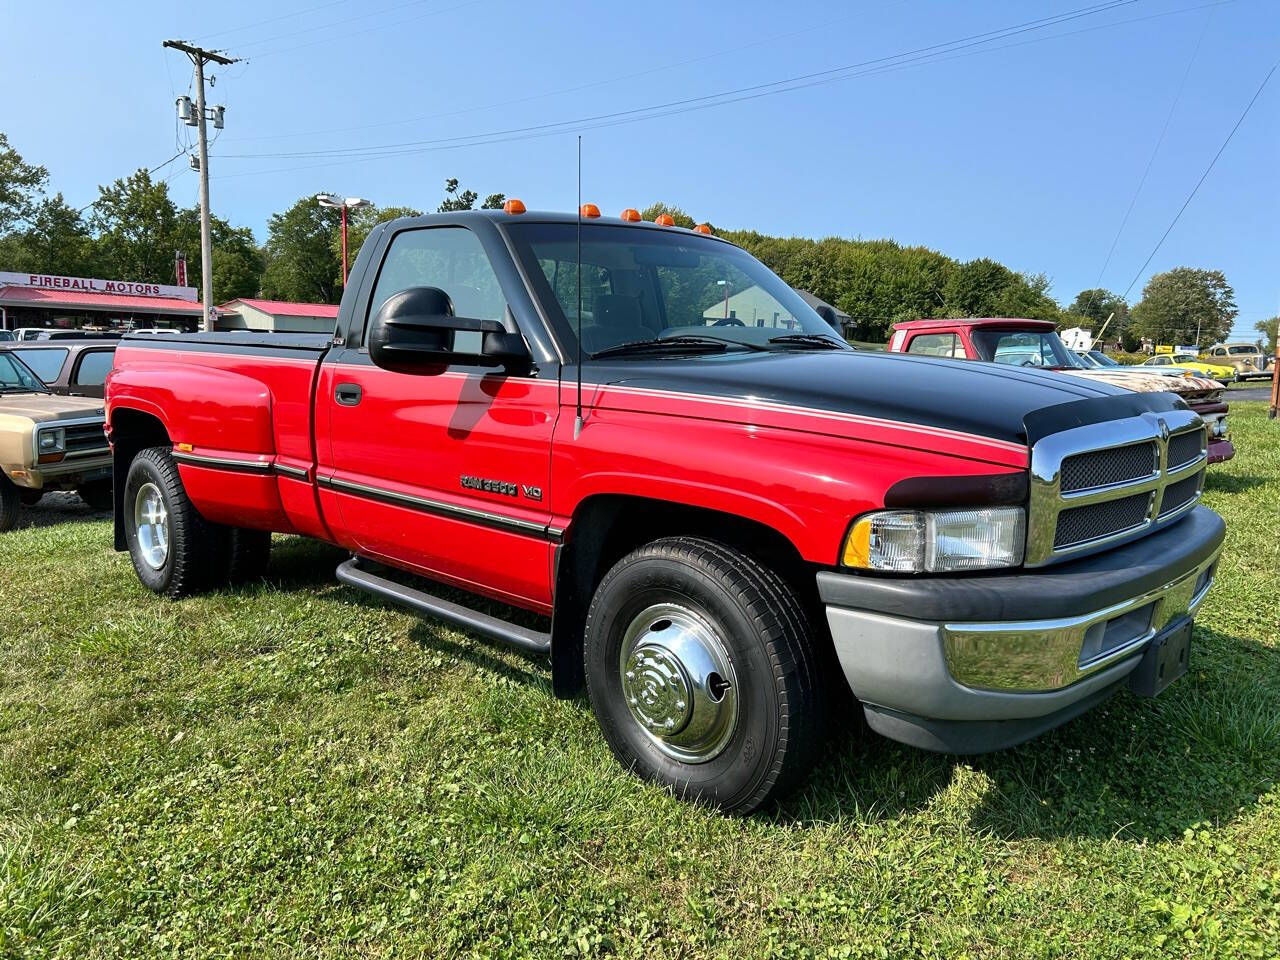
{"x": 131, "y": 432}
{"x": 606, "y": 528}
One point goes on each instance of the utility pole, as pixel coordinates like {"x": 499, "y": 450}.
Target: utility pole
{"x": 199, "y": 56}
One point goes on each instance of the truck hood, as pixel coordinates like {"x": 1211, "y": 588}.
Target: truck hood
{"x": 1186, "y": 387}
{"x": 43, "y": 407}
{"x": 983, "y": 399}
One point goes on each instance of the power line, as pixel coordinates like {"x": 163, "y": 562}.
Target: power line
{"x": 563, "y": 90}
{"x": 347, "y": 35}
{"x": 330, "y": 24}
{"x": 150, "y": 170}
{"x": 475, "y": 139}
{"x": 1177, "y": 98}
{"x": 1207, "y": 170}
{"x": 734, "y": 95}
{"x": 261, "y": 23}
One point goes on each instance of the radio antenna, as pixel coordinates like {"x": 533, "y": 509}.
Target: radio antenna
{"x": 577, "y": 423}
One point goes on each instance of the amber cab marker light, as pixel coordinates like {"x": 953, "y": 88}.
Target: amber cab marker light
{"x": 664, "y": 220}
{"x": 513, "y": 206}
{"x": 631, "y": 215}
{"x": 702, "y": 228}
{"x": 589, "y": 211}
{"x": 185, "y": 447}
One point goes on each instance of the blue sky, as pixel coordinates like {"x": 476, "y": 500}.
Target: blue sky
{"x": 1028, "y": 149}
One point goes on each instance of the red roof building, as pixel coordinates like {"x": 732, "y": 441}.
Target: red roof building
{"x": 249, "y": 313}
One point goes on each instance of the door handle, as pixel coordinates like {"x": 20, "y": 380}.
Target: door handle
{"x": 348, "y": 394}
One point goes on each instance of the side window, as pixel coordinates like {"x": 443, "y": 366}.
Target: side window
{"x": 45, "y": 364}
{"x": 452, "y": 259}
{"x": 94, "y": 367}
{"x": 937, "y": 345}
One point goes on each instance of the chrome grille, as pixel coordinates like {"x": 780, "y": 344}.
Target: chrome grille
{"x": 1097, "y": 520}
{"x": 1185, "y": 447}
{"x": 1178, "y": 495}
{"x": 1100, "y": 484}
{"x": 1103, "y": 468}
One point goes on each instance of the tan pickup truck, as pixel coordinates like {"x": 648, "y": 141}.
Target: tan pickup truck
{"x": 48, "y": 443}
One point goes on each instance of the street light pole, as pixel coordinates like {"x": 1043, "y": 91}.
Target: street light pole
{"x": 345, "y": 204}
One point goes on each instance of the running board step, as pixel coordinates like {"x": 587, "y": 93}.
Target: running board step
{"x": 353, "y": 574}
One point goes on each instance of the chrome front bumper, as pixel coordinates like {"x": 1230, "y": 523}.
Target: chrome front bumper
{"x": 985, "y": 662}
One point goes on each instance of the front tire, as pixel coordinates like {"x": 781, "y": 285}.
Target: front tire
{"x": 702, "y": 675}
{"x": 10, "y": 504}
{"x": 175, "y": 551}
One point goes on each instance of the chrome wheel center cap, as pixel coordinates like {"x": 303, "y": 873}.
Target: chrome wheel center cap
{"x": 679, "y": 682}
{"x": 657, "y": 690}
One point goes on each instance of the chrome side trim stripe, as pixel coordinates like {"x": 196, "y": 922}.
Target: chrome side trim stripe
{"x": 427, "y": 505}
{"x": 222, "y": 463}
{"x": 296, "y": 472}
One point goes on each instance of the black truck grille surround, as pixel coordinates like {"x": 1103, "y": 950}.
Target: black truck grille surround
{"x": 1184, "y": 448}
{"x": 1102, "y": 468}
{"x": 1178, "y": 495}
{"x": 83, "y": 437}
{"x": 1099, "y": 484}
{"x": 1082, "y": 524}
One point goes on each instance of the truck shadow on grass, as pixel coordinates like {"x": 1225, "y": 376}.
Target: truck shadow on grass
{"x": 1233, "y": 483}
{"x": 58, "y": 507}
{"x": 1132, "y": 769}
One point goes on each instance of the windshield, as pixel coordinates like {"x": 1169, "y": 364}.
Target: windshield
{"x": 1236, "y": 351}
{"x": 644, "y": 285}
{"x": 15, "y": 377}
{"x": 1102, "y": 360}
{"x": 1024, "y": 349}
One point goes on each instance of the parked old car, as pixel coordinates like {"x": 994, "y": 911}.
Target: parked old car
{"x": 1246, "y": 359}
{"x": 48, "y": 443}
{"x": 76, "y": 368}
{"x": 723, "y": 522}
{"x": 1021, "y": 342}
{"x": 1177, "y": 363}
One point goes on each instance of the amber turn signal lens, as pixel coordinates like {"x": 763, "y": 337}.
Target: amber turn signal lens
{"x": 50, "y": 458}
{"x": 589, "y": 211}
{"x": 702, "y": 228}
{"x": 631, "y": 215}
{"x": 513, "y": 206}
{"x": 664, "y": 220}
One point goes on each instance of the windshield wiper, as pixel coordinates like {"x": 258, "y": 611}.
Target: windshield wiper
{"x": 810, "y": 340}
{"x": 687, "y": 343}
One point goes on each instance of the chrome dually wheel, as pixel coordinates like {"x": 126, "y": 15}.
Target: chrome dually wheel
{"x": 151, "y": 520}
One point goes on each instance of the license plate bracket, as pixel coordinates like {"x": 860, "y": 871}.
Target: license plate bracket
{"x": 1167, "y": 658}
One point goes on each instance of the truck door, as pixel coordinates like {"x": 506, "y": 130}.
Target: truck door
{"x": 444, "y": 473}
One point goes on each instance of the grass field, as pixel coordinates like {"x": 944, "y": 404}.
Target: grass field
{"x": 294, "y": 769}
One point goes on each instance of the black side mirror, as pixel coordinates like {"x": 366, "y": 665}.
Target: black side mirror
{"x": 829, "y": 315}
{"x": 413, "y": 332}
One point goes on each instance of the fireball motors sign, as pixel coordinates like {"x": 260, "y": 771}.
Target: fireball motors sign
{"x": 49, "y": 281}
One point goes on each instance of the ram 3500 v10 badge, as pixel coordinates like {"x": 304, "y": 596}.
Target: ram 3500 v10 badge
{"x": 750, "y": 517}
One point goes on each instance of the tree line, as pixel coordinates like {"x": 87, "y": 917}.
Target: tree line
{"x": 133, "y": 228}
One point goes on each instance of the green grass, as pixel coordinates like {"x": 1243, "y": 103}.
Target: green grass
{"x": 294, "y": 769}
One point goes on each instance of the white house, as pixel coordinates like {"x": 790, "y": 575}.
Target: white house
{"x": 1077, "y": 338}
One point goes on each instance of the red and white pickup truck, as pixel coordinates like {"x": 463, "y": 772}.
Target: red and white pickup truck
{"x": 743, "y": 521}
{"x": 1035, "y": 343}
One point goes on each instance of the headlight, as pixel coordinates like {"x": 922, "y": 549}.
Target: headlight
{"x": 937, "y": 541}
{"x": 1220, "y": 427}
{"x": 52, "y": 440}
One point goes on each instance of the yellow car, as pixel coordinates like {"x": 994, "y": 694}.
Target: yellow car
{"x": 1189, "y": 361}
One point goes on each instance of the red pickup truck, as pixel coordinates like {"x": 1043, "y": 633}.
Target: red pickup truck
{"x": 741, "y": 521}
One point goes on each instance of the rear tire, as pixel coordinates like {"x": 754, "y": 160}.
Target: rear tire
{"x": 701, "y": 673}
{"x": 10, "y": 504}
{"x": 175, "y": 551}
{"x": 248, "y": 552}
{"x": 98, "y": 494}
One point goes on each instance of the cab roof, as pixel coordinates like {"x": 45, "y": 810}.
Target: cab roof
{"x": 941, "y": 323}
{"x": 502, "y": 218}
